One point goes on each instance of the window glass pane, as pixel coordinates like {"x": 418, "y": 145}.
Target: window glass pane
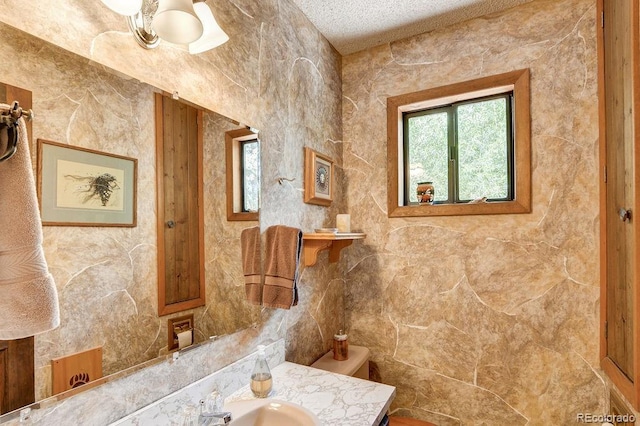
{"x": 482, "y": 150}
{"x": 251, "y": 176}
{"x": 428, "y": 154}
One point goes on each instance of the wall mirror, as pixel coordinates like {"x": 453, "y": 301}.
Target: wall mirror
{"x": 107, "y": 277}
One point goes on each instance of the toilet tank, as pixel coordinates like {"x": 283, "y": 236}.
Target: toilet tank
{"x": 356, "y": 366}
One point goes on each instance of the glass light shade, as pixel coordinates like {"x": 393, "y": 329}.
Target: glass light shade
{"x": 212, "y": 36}
{"x": 124, "y": 7}
{"x": 176, "y": 22}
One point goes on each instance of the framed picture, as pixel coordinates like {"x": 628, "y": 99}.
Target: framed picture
{"x": 83, "y": 187}
{"x": 318, "y": 178}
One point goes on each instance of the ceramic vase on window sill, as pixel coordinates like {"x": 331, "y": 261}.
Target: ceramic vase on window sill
{"x": 426, "y": 193}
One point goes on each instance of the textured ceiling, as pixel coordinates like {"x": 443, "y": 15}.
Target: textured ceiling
{"x": 354, "y": 25}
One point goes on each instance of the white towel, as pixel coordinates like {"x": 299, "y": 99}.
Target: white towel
{"x": 28, "y": 296}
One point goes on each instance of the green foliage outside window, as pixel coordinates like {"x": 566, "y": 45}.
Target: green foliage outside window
{"x": 428, "y": 154}
{"x": 465, "y": 149}
{"x": 251, "y": 176}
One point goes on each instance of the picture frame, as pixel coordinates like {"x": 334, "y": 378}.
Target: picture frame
{"x": 318, "y": 178}
{"x": 83, "y": 187}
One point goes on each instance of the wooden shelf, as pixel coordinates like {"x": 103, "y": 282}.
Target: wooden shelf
{"x": 314, "y": 243}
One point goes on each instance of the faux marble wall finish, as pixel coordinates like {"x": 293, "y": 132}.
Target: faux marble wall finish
{"x": 276, "y": 73}
{"x": 483, "y": 319}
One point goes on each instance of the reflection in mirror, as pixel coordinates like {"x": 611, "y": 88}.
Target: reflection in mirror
{"x": 107, "y": 277}
{"x": 243, "y": 174}
{"x": 179, "y": 166}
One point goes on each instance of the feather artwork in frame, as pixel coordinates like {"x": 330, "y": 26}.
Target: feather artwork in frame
{"x": 83, "y": 187}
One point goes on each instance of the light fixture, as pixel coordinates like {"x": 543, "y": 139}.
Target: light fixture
{"x": 140, "y": 25}
{"x": 124, "y": 7}
{"x": 176, "y": 21}
{"x": 212, "y": 36}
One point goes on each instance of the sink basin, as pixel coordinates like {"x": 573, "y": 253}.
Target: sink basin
{"x": 259, "y": 412}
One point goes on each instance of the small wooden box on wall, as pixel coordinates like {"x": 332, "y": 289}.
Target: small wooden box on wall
{"x": 178, "y": 325}
{"x": 75, "y": 370}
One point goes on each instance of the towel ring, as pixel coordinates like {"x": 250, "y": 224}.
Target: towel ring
{"x": 12, "y": 140}
{"x": 9, "y": 120}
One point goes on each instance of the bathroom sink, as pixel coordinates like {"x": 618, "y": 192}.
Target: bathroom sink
{"x": 259, "y": 412}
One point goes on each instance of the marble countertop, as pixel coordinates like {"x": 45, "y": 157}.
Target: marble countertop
{"x": 334, "y": 398}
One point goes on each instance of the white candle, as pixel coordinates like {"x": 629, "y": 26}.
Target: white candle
{"x": 343, "y": 223}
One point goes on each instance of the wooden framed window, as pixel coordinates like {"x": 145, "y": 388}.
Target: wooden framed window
{"x": 249, "y": 172}
{"x": 471, "y": 140}
{"x": 243, "y": 175}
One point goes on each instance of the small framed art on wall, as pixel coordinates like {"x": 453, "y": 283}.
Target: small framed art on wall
{"x": 318, "y": 178}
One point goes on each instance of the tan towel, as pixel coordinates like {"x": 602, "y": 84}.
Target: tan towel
{"x": 251, "y": 262}
{"x": 283, "y": 246}
{"x": 28, "y": 296}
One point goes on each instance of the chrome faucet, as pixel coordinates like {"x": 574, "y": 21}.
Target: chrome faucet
{"x": 211, "y": 413}
{"x": 211, "y": 419}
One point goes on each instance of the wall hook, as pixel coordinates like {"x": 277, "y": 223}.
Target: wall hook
{"x": 282, "y": 179}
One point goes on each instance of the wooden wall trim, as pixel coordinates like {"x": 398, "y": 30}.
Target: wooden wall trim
{"x": 18, "y": 387}
{"x": 635, "y": 84}
{"x": 3, "y": 378}
{"x": 602, "y": 151}
{"x": 622, "y": 382}
{"x": 160, "y": 202}
{"x": 628, "y": 386}
{"x": 201, "y": 300}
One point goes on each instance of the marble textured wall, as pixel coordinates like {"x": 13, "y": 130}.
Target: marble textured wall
{"x": 277, "y": 73}
{"x": 483, "y": 319}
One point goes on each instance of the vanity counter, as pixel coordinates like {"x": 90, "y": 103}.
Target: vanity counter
{"x": 336, "y": 399}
